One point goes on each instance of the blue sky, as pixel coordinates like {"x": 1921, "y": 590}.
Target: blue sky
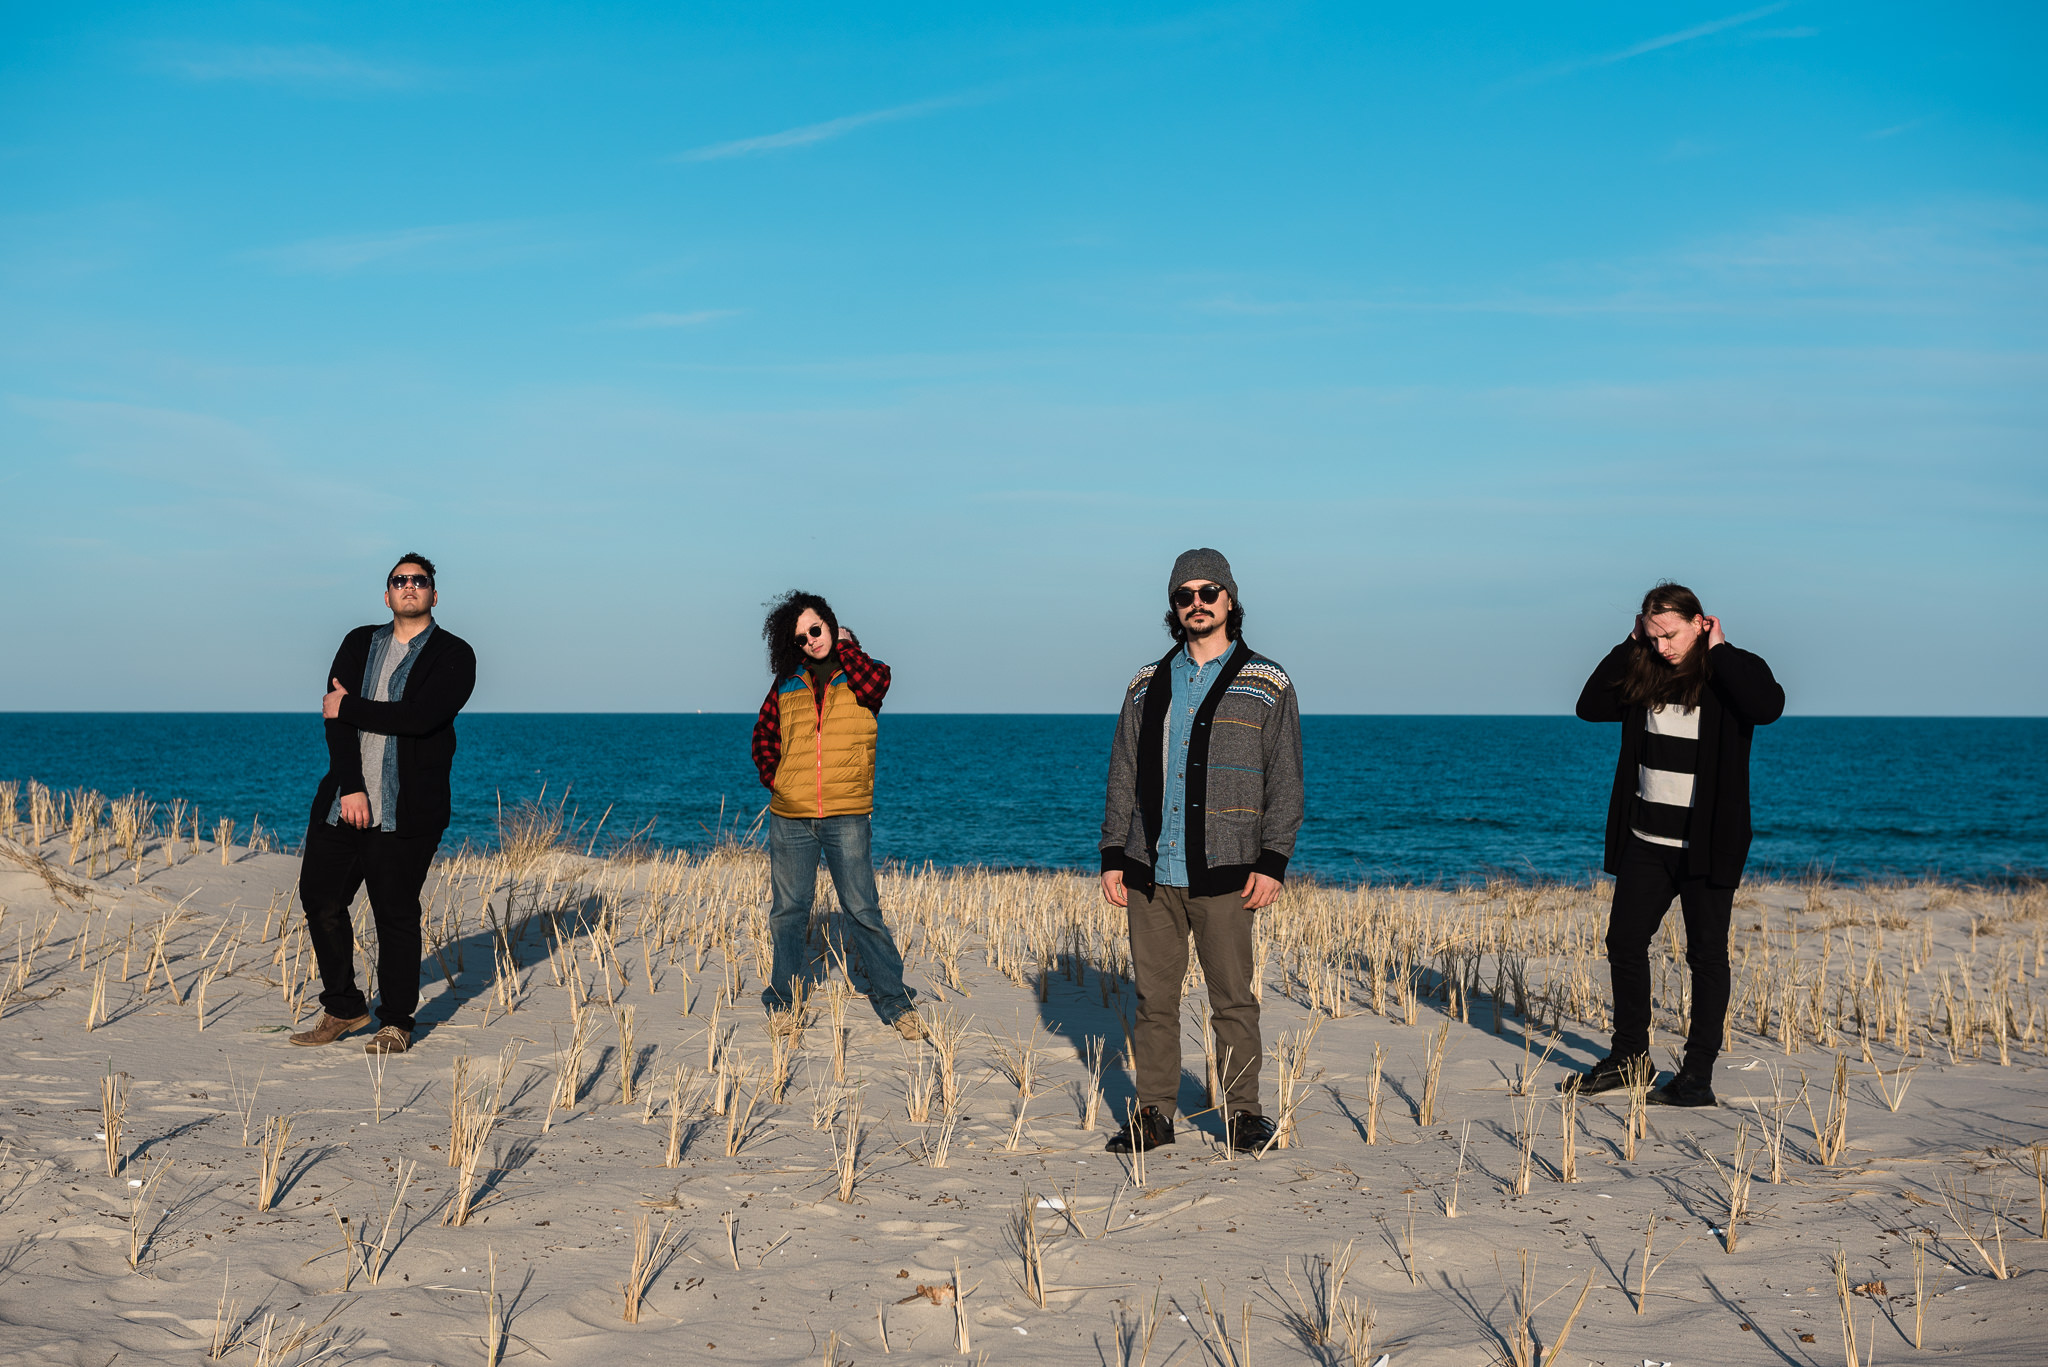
{"x": 1454, "y": 327}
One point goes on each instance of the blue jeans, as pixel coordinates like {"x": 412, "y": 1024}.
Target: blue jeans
{"x": 794, "y": 844}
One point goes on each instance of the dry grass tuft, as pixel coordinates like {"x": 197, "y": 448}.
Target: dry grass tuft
{"x": 277, "y": 1137}
{"x": 1432, "y": 1077}
{"x": 114, "y": 1114}
{"x": 650, "y": 1253}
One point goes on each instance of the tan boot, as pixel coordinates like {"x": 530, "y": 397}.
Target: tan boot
{"x": 389, "y": 1040}
{"x": 329, "y": 1029}
{"x": 910, "y": 1026}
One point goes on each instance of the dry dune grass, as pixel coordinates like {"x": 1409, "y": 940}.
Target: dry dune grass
{"x": 1882, "y": 1083}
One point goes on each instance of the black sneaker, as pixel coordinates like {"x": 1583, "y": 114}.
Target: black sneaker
{"x": 1248, "y": 1133}
{"x": 1614, "y": 1071}
{"x": 1147, "y": 1130}
{"x": 1684, "y": 1089}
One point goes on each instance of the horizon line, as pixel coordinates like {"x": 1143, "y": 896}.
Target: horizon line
{"x": 909, "y": 712}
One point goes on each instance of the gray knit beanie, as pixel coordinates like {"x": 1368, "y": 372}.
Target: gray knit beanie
{"x": 1202, "y": 563}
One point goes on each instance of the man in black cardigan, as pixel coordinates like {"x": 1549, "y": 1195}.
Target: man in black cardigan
{"x": 1677, "y": 822}
{"x": 379, "y": 813}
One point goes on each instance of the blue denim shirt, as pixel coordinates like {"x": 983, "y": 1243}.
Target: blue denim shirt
{"x": 1190, "y": 686}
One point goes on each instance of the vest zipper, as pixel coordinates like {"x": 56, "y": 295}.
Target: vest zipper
{"x": 820, "y": 700}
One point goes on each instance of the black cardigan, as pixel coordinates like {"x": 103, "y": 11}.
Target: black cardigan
{"x": 1740, "y": 695}
{"x": 423, "y": 721}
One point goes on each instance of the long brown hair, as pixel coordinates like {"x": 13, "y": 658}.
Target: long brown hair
{"x": 1650, "y": 680}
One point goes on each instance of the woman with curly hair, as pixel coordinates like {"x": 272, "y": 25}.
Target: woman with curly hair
{"x": 814, "y": 745}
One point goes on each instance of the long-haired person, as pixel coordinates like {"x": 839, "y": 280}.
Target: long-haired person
{"x": 814, "y": 745}
{"x": 1677, "y": 821}
{"x": 1203, "y": 804}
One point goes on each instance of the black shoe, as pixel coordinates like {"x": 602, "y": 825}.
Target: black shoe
{"x": 1248, "y": 1133}
{"x": 1614, "y": 1071}
{"x": 1684, "y": 1089}
{"x": 1147, "y": 1130}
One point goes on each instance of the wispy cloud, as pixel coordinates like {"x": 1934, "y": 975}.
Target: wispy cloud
{"x": 216, "y": 460}
{"x": 1675, "y": 38}
{"x": 1984, "y": 259}
{"x": 695, "y": 318}
{"x": 338, "y": 255}
{"x": 301, "y": 66}
{"x": 811, "y": 133}
{"x": 1880, "y": 134}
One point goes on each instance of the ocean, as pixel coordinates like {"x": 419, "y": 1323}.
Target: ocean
{"x": 1390, "y": 799}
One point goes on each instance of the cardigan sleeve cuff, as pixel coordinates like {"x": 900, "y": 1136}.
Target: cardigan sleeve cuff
{"x": 1273, "y": 864}
{"x": 1113, "y": 859}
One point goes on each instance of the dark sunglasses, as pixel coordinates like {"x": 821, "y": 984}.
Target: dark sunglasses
{"x": 417, "y": 581}
{"x": 1208, "y": 593}
{"x": 817, "y": 630}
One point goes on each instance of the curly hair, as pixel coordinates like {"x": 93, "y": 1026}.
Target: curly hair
{"x": 1651, "y": 680}
{"x": 785, "y": 656}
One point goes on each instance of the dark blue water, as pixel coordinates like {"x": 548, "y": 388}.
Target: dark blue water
{"x": 1389, "y": 798}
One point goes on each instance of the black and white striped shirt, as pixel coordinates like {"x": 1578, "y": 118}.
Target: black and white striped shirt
{"x": 1665, "y": 767}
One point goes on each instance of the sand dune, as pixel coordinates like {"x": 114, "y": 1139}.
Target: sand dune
{"x": 1331, "y": 1249}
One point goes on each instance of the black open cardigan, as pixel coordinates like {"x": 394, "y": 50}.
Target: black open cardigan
{"x": 1740, "y": 695}
{"x": 423, "y": 721}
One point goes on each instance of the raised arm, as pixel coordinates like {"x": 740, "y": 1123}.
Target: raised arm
{"x": 427, "y": 708}
{"x": 1600, "y": 699}
{"x": 868, "y": 676}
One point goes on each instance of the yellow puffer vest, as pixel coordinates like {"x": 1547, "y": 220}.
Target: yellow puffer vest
{"x": 828, "y": 751}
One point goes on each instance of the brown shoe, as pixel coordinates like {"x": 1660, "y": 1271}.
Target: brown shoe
{"x": 911, "y": 1026}
{"x": 330, "y": 1029}
{"x": 389, "y": 1040}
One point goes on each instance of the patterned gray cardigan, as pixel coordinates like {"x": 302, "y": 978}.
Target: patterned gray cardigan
{"x": 1244, "y": 777}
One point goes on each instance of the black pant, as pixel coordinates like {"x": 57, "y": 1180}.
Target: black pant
{"x": 1650, "y": 877}
{"x": 337, "y": 860}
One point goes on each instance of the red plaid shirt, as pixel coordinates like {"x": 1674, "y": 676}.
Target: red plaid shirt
{"x": 867, "y": 676}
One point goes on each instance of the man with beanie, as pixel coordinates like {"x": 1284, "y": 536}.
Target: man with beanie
{"x": 1204, "y": 802}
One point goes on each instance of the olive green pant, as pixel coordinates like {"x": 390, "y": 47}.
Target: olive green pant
{"x": 1222, "y": 929}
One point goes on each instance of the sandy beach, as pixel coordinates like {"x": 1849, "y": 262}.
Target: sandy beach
{"x": 845, "y": 1197}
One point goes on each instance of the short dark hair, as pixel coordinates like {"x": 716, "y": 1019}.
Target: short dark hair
{"x": 419, "y": 560}
{"x": 1233, "y": 622}
{"x": 785, "y": 656}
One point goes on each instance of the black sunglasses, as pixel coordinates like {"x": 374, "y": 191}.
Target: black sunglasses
{"x": 1208, "y": 593}
{"x": 418, "y": 581}
{"x": 817, "y": 630}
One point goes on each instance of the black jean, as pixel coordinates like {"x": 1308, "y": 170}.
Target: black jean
{"x": 339, "y": 859}
{"x": 1651, "y": 875}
